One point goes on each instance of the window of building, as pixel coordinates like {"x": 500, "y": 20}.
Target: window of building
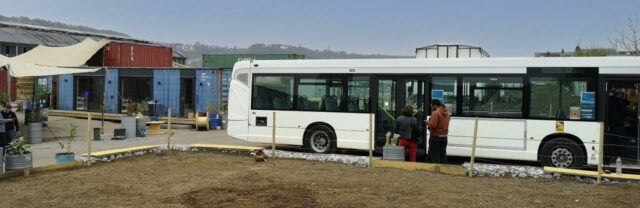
{"x": 358, "y": 90}
{"x": 492, "y": 96}
{"x": 555, "y": 98}
{"x": 320, "y": 94}
{"x": 445, "y": 89}
{"x": 273, "y": 92}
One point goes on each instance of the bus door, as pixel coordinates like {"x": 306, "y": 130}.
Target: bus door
{"x": 621, "y": 121}
{"x": 392, "y": 95}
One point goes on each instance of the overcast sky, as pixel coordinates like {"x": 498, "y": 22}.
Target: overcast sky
{"x": 503, "y": 28}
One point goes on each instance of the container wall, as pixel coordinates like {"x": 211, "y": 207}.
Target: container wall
{"x": 166, "y": 91}
{"x": 137, "y": 55}
{"x": 111, "y": 104}
{"x": 207, "y": 91}
{"x": 7, "y": 83}
{"x": 226, "y": 80}
{"x": 226, "y": 61}
{"x": 65, "y": 92}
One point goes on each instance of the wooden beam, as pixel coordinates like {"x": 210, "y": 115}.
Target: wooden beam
{"x": 591, "y": 173}
{"x": 438, "y": 168}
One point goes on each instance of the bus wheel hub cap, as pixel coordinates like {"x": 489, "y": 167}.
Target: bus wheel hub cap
{"x": 561, "y": 157}
{"x": 320, "y": 141}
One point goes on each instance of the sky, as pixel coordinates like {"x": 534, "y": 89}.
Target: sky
{"x": 505, "y": 28}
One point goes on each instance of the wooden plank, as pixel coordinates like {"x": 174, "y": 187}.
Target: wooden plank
{"x": 114, "y": 116}
{"x": 439, "y": 168}
{"x": 120, "y": 151}
{"x": 43, "y": 169}
{"x": 591, "y": 173}
{"x": 226, "y": 147}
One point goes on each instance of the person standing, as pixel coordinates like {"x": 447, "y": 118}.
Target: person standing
{"x": 407, "y": 127}
{"x": 438, "y": 125}
{"x": 13, "y": 127}
{"x": 4, "y": 139}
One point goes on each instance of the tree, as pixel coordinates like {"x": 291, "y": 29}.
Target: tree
{"x": 628, "y": 38}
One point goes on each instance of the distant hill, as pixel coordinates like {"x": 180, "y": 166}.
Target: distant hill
{"x": 59, "y": 25}
{"x": 194, "y": 51}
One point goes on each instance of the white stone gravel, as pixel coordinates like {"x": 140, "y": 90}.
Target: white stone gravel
{"x": 359, "y": 161}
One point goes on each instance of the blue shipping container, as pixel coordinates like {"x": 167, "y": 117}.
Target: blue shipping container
{"x": 166, "y": 91}
{"x": 111, "y": 104}
{"x": 207, "y": 91}
{"x": 65, "y": 92}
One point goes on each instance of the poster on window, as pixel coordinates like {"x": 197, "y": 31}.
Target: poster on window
{"x": 587, "y": 105}
{"x": 438, "y": 94}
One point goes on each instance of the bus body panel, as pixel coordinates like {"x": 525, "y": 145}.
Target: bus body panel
{"x": 587, "y": 132}
{"x": 351, "y": 129}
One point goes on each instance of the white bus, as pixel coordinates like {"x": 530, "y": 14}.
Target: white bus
{"x": 530, "y": 109}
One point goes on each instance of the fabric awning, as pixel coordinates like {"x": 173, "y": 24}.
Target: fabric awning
{"x": 68, "y": 56}
{"x": 19, "y": 68}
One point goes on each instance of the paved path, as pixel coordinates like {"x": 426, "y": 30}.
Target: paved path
{"x": 44, "y": 153}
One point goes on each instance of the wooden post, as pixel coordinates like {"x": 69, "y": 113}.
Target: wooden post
{"x": 473, "y": 147}
{"x": 26, "y": 172}
{"x": 89, "y": 138}
{"x": 371, "y": 140}
{"x": 273, "y": 136}
{"x": 169, "y": 131}
{"x": 600, "y": 152}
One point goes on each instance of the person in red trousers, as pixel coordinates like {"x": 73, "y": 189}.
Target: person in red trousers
{"x": 407, "y": 127}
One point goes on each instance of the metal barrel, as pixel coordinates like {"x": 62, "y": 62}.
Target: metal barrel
{"x": 141, "y": 123}
{"x": 35, "y": 133}
{"x": 393, "y": 153}
{"x": 129, "y": 123}
{"x": 18, "y": 162}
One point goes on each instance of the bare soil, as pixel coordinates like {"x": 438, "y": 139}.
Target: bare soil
{"x": 224, "y": 180}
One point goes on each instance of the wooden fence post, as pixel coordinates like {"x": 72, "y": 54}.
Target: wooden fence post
{"x": 371, "y": 140}
{"x": 273, "y": 136}
{"x": 473, "y": 148}
{"x": 601, "y": 152}
{"x": 169, "y": 131}
{"x": 89, "y": 139}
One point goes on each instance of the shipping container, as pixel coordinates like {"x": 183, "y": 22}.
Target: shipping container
{"x": 119, "y": 54}
{"x": 8, "y": 83}
{"x": 226, "y": 61}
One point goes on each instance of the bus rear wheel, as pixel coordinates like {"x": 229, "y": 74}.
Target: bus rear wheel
{"x": 320, "y": 139}
{"x": 562, "y": 153}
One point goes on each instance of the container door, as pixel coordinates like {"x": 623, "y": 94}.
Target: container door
{"x": 65, "y": 92}
{"x": 111, "y": 91}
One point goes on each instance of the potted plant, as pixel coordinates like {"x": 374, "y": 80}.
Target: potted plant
{"x": 68, "y": 156}
{"x": 18, "y": 156}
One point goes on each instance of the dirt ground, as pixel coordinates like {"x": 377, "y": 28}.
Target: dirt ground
{"x": 224, "y": 180}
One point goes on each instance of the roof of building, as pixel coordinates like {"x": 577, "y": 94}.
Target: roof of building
{"x": 17, "y": 33}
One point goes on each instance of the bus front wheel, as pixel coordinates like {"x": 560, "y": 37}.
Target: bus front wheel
{"x": 562, "y": 153}
{"x": 320, "y": 139}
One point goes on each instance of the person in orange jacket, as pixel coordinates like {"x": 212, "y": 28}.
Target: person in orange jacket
{"x": 438, "y": 125}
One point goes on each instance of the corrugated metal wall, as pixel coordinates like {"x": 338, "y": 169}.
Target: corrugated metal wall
{"x": 226, "y": 80}
{"x": 119, "y": 54}
{"x": 206, "y": 91}
{"x": 4, "y": 84}
{"x": 166, "y": 91}
{"x": 111, "y": 95}
{"x": 226, "y": 61}
{"x": 65, "y": 92}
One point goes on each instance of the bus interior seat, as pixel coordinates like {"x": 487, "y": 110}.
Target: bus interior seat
{"x": 330, "y": 103}
{"x": 353, "y": 105}
{"x": 303, "y": 103}
{"x": 282, "y": 103}
{"x": 263, "y": 103}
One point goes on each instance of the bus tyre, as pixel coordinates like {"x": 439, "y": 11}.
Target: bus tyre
{"x": 562, "y": 153}
{"x": 320, "y": 139}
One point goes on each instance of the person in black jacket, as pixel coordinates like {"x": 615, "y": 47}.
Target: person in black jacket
{"x": 11, "y": 128}
{"x": 407, "y": 127}
{"x": 617, "y": 134}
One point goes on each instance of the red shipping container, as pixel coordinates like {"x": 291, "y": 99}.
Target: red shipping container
{"x": 7, "y": 83}
{"x": 118, "y": 54}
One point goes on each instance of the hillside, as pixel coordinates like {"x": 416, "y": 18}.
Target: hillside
{"x": 60, "y": 25}
{"x": 194, "y": 51}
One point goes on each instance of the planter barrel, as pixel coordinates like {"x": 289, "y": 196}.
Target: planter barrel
{"x": 64, "y": 157}
{"x": 393, "y": 153}
{"x": 129, "y": 123}
{"x": 18, "y": 162}
{"x": 35, "y": 133}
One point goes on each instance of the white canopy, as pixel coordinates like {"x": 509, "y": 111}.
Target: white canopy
{"x": 23, "y": 69}
{"x": 68, "y": 56}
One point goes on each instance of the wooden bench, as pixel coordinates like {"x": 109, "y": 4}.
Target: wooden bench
{"x": 120, "y": 151}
